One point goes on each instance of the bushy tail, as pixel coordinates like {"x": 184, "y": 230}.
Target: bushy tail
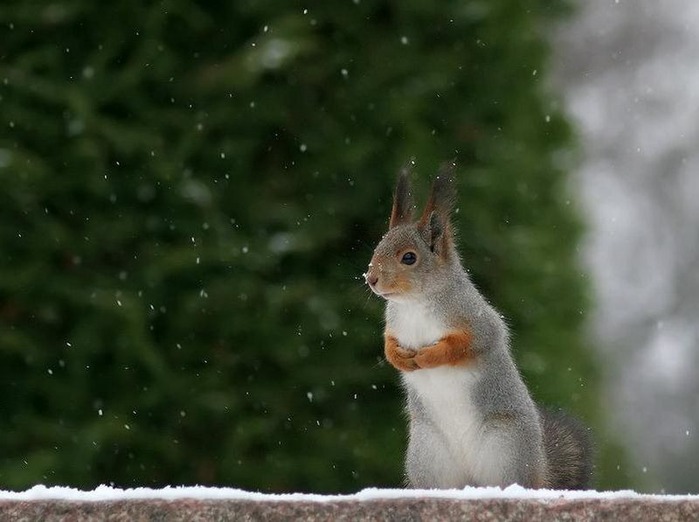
{"x": 569, "y": 451}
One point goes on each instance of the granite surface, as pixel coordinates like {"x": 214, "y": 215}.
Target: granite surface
{"x": 408, "y": 509}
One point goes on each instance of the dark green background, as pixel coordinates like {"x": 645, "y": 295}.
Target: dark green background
{"x": 190, "y": 194}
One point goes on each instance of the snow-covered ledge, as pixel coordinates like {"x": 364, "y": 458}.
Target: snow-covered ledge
{"x": 199, "y": 503}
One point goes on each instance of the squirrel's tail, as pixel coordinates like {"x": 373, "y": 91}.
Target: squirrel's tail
{"x": 569, "y": 452}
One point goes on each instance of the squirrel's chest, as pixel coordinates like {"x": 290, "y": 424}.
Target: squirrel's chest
{"x": 413, "y": 325}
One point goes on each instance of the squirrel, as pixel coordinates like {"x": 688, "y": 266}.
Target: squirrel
{"x": 472, "y": 421}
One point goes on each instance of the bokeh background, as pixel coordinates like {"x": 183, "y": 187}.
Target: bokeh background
{"x": 628, "y": 72}
{"x": 192, "y": 190}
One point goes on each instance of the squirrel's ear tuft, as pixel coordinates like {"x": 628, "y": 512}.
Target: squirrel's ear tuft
{"x": 403, "y": 207}
{"x": 443, "y": 195}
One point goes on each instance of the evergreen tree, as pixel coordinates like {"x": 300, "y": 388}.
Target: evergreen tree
{"x": 191, "y": 192}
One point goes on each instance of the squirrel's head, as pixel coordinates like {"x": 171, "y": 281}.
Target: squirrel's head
{"x": 415, "y": 257}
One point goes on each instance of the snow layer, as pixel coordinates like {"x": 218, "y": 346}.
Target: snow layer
{"x": 104, "y": 493}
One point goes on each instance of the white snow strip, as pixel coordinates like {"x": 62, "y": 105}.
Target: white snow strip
{"x": 103, "y": 493}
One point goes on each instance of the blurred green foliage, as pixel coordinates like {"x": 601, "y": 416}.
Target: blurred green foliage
{"x": 190, "y": 193}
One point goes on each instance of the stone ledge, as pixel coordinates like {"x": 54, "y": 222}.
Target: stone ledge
{"x": 398, "y": 509}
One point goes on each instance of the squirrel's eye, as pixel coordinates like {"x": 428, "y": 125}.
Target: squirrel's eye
{"x": 408, "y": 258}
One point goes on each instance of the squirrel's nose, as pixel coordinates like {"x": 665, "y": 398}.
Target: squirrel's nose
{"x": 371, "y": 279}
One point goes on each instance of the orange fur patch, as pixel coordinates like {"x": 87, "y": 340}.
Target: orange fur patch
{"x": 400, "y": 358}
{"x": 453, "y": 349}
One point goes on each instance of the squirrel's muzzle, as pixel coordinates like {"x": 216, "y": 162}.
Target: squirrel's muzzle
{"x": 371, "y": 278}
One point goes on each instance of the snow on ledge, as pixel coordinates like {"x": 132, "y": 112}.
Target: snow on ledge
{"x": 107, "y": 493}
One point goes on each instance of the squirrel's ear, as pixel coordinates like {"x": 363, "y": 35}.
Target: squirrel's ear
{"x": 435, "y": 223}
{"x": 402, "y": 211}
{"x": 434, "y": 232}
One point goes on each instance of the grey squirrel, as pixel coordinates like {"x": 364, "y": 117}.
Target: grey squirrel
{"x": 472, "y": 420}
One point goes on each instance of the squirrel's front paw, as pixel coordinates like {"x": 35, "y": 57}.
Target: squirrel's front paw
{"x": 400, "y": 358}
{"x": 453, "y": 349}
{"x": 430, "y": 357}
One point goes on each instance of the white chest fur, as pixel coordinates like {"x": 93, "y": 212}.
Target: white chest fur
{"x": 414, "y": 325}
{"x": 451, "y": 430}
{"x": 446, "y": 394}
